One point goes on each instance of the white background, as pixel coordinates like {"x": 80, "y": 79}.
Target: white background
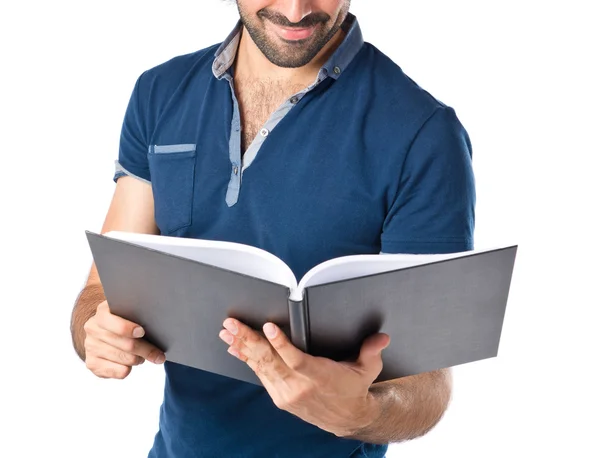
{"x": 523, "y": 77}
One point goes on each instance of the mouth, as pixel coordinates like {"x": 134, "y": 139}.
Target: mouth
{"x": 294, "y": 34}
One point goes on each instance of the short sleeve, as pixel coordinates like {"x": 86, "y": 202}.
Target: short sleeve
{"x": 434, "y": 209}
{"x": 133, "y": 143}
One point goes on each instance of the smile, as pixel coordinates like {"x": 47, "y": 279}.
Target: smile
{"x": 294, "y": 34}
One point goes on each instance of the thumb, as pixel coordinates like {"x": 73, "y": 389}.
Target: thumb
{"x": 369, "y": 358}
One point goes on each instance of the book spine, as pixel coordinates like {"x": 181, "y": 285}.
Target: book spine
{"x": 299, "y": 330}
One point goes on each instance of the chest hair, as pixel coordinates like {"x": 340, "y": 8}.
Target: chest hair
{"x": 258, "y": 99}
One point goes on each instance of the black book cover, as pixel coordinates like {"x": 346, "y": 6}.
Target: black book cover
{"x": 440, "y": 314}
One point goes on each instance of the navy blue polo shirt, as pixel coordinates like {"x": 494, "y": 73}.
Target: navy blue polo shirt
{"x": 361, "y": 161}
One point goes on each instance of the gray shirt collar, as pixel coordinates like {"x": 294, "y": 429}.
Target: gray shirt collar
{"x": 334, "y": 67}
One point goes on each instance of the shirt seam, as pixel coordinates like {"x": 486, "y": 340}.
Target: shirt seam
{"x": 410, "y": 148}
{"x": 430, "y": 240}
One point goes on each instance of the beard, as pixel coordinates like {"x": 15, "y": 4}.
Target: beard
{"x": 291, "y": 53}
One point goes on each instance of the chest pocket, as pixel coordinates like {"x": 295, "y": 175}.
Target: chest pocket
{"x": 172, "y": 169}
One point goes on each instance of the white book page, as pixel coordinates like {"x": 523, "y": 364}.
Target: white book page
{"x": 365, "y": 264}
{"x": 237, "y": 257}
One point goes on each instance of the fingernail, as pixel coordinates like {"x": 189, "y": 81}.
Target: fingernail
{"x": 270, "y": 330}
{"x": 231, "y": 327}
{"x": 138, "y": 332}
{"x": 160, "y": 359}
{"x": 234, "y": 352}
{"x": 226, "y": 336}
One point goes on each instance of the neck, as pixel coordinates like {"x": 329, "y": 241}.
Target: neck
{"x": 251, "y": 63}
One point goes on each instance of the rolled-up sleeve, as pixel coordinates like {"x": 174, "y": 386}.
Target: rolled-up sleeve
{"x": 133, "y": 143}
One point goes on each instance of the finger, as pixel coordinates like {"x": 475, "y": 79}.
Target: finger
{"x": 243, "y": 333}
{"x": 269, "y": 367}
{"x": 138, "y": 347}
{"x": 107, "y": 369}
{"x": 294, "y": 358}
{"x": 245, "y": 354}
{"x": 97, "y": 327}
{"x": 369, "y": 360}
{"x": 252, "y": 348}
{"x": 115, "y": 324}
{"x": 99, "y": 349}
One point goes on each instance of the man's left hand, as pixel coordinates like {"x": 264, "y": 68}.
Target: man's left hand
{"x": 331, "y": 395}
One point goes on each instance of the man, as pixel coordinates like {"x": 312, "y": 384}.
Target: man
{"x": 296, "y": 136}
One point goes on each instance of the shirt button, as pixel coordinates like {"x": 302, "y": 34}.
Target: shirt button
{"x": 235, "y": 170}
{"x": 294, "y": 100}
{"x": 337, "y": 70}
{"x": 264, "y": 132}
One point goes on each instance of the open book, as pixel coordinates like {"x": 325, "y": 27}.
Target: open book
{"x": 439, "y": 310}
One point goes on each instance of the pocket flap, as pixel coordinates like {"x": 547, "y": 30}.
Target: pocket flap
{"x": 166, "y": 149}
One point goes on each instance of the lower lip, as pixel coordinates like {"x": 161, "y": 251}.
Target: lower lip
{"x": 295, "y": 34}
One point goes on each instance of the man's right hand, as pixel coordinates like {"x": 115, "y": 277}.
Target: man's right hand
{"x": 114, "y": 345}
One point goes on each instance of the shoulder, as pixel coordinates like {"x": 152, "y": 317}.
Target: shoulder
{"x": 168, "y": 83}
{"x": 395, "y": 93}
{"x": 396, "y": 82}
{"x": 163, "y": 80}
{"x": 179, "y": 66}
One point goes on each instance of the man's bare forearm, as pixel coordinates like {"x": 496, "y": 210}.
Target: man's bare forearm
{"x": 85, "y": 308}
{"x": 407, "y": 408}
